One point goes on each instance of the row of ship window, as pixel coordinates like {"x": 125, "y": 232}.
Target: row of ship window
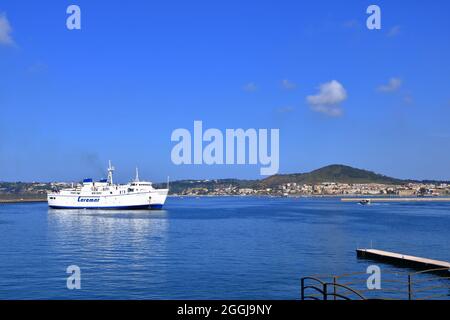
{"x": 97, "y": 192}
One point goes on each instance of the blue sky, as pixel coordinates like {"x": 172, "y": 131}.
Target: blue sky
{"x": 137, "y": 70}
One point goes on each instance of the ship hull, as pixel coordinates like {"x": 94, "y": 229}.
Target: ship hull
{"x": 139, "y": 207}
{"x": 136, "y": 201}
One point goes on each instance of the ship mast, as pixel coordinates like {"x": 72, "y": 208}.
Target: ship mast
{"x": 110, "y": 173}
{"x": 137, "y": 175}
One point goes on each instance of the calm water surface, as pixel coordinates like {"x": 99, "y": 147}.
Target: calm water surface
{"x": 205, "y": 248}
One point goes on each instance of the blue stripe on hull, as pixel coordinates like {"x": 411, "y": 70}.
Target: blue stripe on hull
{"x": 141, "y": 207}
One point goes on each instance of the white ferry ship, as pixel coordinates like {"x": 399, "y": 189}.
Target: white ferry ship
{"x": 104, "y": 194}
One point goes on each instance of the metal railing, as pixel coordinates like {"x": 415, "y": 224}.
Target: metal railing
{"x": 433, "y": 287}
{"x": 422, "y": 285}
{"x": 323, "y": 291}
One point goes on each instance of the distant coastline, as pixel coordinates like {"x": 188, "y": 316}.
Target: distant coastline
{"x": 11, "y": 199}
{"x": 22, "y": 198}
{"x": 329, "y": 181}
{"x": 3, "y": 201}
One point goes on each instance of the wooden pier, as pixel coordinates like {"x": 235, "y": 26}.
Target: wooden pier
{"x": 402, "y": 259}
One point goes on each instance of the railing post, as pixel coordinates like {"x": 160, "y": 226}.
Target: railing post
{"x": 334, "y": 288}
{"x": 303, "y": 289}
{"x": 325, "y": 293}
{"x": 409, "y": 287}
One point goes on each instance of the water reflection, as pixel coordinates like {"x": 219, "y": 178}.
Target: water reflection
{"x": 139, "y": 221}
{"x": 108, "y": 236}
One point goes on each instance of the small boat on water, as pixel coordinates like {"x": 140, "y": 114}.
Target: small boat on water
{"x": 104, "y": 194}
{"x": 365, "y": 202}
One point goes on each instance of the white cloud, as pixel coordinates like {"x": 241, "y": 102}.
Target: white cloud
{"x": 288, "y": 85}
{"x": 5, "y": 31}
{"x": 393, "y": 85}
{"x": 250, "y": 87}
{"x": 328, "y": 99}
{"x": 332, "y": 110}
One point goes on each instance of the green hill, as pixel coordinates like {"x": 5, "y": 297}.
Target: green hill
{"x": 332, "y": 173}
